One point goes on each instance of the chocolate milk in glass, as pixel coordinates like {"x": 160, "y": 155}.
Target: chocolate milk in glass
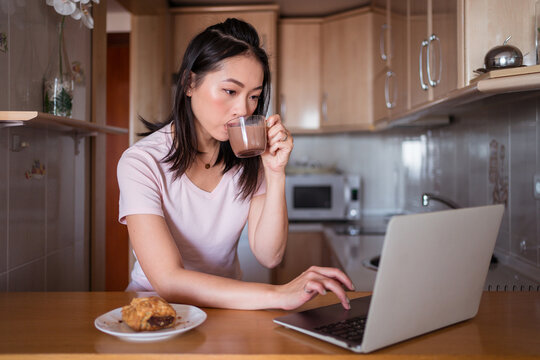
{"x": 247, "y": 138}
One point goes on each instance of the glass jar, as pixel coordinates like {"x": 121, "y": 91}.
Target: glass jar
{"x": 58, "y": 79}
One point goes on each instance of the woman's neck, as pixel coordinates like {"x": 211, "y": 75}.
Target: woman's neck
{"x": 205, "y": 142}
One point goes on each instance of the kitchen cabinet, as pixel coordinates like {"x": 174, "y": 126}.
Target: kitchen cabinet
{"x": 381, "y": 70}
{"x": 189, "y": 21}
{"x": 390, "y": 60}
{"x": 304, "y": 249}
{"x": 398, "y": 79}
{"x": 487, "y": 23}
{"x": 299, "y": 64}
{"x": 347, "y": 79}
{"x": 437, "y": 45}
{"x": 433, "y": 49}
{"x": 442, "y": 43}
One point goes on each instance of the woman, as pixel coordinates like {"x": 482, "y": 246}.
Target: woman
{"x": 185, "y": 197}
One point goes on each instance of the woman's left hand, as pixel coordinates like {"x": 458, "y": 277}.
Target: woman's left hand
{"x": 280, "y": 145}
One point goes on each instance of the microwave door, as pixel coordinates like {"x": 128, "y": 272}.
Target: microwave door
{"x": 315, "y": 202}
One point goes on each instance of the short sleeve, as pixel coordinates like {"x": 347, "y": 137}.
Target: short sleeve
{"x": 139, "y": 186}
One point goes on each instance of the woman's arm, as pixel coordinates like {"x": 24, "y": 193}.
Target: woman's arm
{"x": 268, "y": 223}
{"x": 162, "y": 263}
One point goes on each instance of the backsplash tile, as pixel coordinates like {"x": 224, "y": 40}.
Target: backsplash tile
{"x": 479, "y": 167}
{"x": 488, "y": 154}
{"x": 538, "y": 173}
{"x": 499, "y": 169}
{"x": 3, "y": 201}
{"x": 60, "y": 191}
{"x": 524, "y": 237}
{"x": 3, "y": 282}
{"x": 4, "y": 57}
{"x": 46, "y": 247}
{"x": 27, "y": 198}
{"x": 65, "y": 270}
{"x": 30, "y": 277}
{"x": 43, "y": 213}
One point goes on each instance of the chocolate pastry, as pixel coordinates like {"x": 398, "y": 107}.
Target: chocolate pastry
{"x": 148, "y": 313}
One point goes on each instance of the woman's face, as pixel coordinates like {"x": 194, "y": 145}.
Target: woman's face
{"x": 225, "y": 94}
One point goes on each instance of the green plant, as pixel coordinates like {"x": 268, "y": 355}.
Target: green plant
{"x": 63, "y": 102}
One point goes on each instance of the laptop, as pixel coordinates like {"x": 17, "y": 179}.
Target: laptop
{"x": 431, "y": 274}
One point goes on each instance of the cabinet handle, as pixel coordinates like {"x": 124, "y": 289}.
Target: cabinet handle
{"x": 432, "y": 82}
{"x": 325, "y": 107}
{"x": 282, "y": 107}
{"x": 390, "y": 104}
{"x": 420, "y": 66}
{"x": 382, "y": 42}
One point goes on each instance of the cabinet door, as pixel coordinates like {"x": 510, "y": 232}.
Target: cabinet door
{"x": 381, "y": 48}
{"x": 418, "y": 22}
{"x": 299, "y": 73}
{"x": 443, "y": 73}
{"x": 188, "y": 25}
{"x": 396, "y": 80}
{"x": 347, "y": 76}
{"x": 304, "y": 249}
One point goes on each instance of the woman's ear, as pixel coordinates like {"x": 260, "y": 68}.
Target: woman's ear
{"x": 191, "y": 84}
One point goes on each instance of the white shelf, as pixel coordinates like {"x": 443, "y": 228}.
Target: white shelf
{"x": 43, "y": 120}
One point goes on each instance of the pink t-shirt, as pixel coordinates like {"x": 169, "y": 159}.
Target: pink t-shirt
{"x": 205, "y": 225}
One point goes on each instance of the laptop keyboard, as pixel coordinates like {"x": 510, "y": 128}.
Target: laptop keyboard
{"x": 351, "y": 329}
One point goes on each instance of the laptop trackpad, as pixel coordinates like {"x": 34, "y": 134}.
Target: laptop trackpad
{"x": 310, "y": 319}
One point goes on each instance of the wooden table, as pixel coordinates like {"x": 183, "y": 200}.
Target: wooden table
{"x": 56, "y": 325}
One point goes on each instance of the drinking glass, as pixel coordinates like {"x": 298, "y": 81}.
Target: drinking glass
{"x": 247, "y": 135}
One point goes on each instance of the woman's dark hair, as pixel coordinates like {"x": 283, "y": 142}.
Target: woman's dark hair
{"x": 205, "y": 54}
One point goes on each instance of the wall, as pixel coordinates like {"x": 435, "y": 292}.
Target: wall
{"x": 489, "y": 154}
{"x": 43, "y": 220}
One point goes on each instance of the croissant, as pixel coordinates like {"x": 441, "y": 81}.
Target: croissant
{"x": 148, "y": 313}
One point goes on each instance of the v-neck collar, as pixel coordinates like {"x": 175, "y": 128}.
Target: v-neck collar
{"x": 208, "y": 194}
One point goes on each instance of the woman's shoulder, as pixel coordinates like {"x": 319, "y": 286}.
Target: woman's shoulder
{"x": 150, "y": 149}
{"x": 157, "y": 143}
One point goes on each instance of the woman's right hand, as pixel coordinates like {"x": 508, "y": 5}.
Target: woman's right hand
{"x": 315, "y": 280}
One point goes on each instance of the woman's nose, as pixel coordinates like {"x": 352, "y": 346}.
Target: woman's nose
{"x": 240, "y": 107}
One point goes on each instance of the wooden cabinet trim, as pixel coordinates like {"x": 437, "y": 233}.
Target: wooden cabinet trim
{"x": 300, "y": 21}
{"x": 214, "y": 9}
{"x": 348, "y": 14}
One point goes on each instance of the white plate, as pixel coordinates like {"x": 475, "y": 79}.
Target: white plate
{"x": 187, "y": 318}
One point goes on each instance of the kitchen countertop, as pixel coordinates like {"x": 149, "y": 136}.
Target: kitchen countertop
{"x": 60, "y": 325}
{"x": 353, "y": 251}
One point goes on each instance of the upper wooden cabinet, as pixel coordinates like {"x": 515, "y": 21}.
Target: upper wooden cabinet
{"x": 299, "y": 73}
{"x": 367, "y": 68}
{"x": 446, "y": 41}
{"x": 433, "y": 49}
{"x": 189, "y": 21}
{"x": 326, "y": 72}
{"x": 487, "y": 23}
{"x": 347, "y": 76}
{"x": 381, "y": 66}
{"x": 391, "y": 61}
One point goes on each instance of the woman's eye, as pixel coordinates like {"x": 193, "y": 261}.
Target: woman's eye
{"x": 230, "y": 92}
{"x": 255, "y": 97}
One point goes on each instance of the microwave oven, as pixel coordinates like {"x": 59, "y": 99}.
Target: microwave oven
{"x": 315, "y": 197}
